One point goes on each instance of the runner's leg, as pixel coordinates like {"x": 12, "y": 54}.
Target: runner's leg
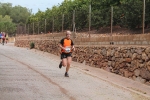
{"x": 69, "y": 59}
{"x": 64, "y": 62}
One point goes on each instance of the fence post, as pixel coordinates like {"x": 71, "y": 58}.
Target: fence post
{"x": 53, "y": 26}
{"x": 62, "y": 22}
{"x": 25, "y": 29}
{"x": 38, "y": 27}
{"x": 45, "y": 26}
{"x": 89, "y": 20}
{"x": 143, "y": 15}
{"x": 111, "y": 24}
{"x": 33, "y": 28}
{"x": 28, "y": 28}
{"x": 73, "y": 22}
{"x": 111, "y": 18}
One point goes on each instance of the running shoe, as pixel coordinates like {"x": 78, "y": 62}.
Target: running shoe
{"x": 66, "y": 74}
{"x": 60, "y": 65}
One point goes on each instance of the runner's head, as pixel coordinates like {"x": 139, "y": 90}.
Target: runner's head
{"x": 68, "y": 33}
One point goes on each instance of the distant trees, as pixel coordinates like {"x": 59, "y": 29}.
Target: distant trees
{"x": 6, "y": 24}
{"x": 10, "y": 17}
{"x": 127, "y": 13}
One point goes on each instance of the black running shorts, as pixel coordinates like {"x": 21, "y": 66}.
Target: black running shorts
{"x": 65, "y": 55}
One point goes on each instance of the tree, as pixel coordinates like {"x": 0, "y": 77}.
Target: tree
{"x": 6, "y": 25}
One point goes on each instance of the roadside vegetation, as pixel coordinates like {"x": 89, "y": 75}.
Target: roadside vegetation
{"x": 126, "y": 14}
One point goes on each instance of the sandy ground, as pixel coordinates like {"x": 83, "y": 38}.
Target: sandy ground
{"x": 34, "y": 75}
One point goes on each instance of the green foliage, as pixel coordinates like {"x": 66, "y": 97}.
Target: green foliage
{"x": 127, "y": 13}
{"x": 32, "y": 45}
{"x": 10, "y": 17}
{"x": 6, "y": 25}
{"x": 20, "y": 14}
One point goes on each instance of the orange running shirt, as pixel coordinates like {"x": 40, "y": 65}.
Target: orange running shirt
{"x": 66, "y": 43}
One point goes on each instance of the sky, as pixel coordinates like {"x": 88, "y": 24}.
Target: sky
{"x": 34, "y": 4}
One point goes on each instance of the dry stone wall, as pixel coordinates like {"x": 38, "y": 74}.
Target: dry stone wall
{"x": 128, "y": 61}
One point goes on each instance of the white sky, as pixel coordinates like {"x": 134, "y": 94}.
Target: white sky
{"x": 34, "y": 4}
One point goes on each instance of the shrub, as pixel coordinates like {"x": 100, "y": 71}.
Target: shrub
{"x": 32, "y": 45}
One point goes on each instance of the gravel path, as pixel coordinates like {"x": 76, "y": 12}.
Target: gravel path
{"x": 34, "y": 75}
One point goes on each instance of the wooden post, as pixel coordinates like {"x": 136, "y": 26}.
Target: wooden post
{"x": 111, "y": 42}
{"x": 38, "y": 27}
{"x": 73, "y": 19}
{"x": 33, "y": 28}
{"x": 89, "y": 20}
{"x": 25, "y": 29}
{"x": 53, "y": 26}
{"x": 111, "y": 19}
{"x": 62, "y": 22}
{"x": 28, "y": 28}
{"x": 73, "y": 22}
{"x": 45, "y": 26}
{"x": 143, "y": 16}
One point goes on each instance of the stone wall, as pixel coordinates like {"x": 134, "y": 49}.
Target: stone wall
{"x": 128, "y": 61}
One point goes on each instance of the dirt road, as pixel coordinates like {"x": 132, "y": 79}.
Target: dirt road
{"x": 34, "y": 75}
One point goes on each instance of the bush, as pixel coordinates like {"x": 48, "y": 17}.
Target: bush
{"x": 32, "y": 45}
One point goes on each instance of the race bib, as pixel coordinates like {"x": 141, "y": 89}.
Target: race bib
{"x": 68, "y": 50}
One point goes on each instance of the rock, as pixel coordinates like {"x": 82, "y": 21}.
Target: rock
{"x": 121, "y": 60}
{"x": 141, "y": 65}
{"x": 134, "y": 56}
{"x": 139, "y": 57}
{"x": 128, "y": 65}
{"x": 147, "y": 50}
{"x": 122, "y": 65}
{"x": 137, "y": 72}
{"x": 145, "y": 74}
{"x": 128, "y": 60}
{"x": 112, "y": 63}
{"x": 127, "y": 74}
{"x": 134, "y": 65}
{"x": 103, "y": 52}
{"x": 108, "y": 52}
{"x": 112, "y": 52}
{"x": 139, "y": 79}
{"x": 148, "y": 67}
{"x": 116, "y": 54}
{"x": 147, "y": 83}
{"x": 107, "y": 69}
{"x": 139, "y": 51}
{"x": 144, "y": 57}
{"x": 109, "y": 63}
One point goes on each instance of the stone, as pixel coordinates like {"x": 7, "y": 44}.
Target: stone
{"x": 145, "y": 74}
{"x": 128, "y": 60}
{"x": 147, "y": 50}
{"x": 139, "y": 79}
{"x": 144, "y": 57}
{"x": 134, "y": 65}
{"x": 127, "y": 74}
{"x": 107, "y": 69}
{"x": 148, "y": 83}
{"x": 109, "y": 52}
{"x": 109, "y": 63}
{"x": 148, "y": 65}
{"x": 112, "y": 63}
{"x": 141, "y": 65}
{"x": 113, "y": 58}
{"x": 128, "y": 65}
{"x": 139, "y": 51}
{"x": 117, "y": 54}
{"x": 137, "y": 72}
{"x": 134, "y": 56}
{"x": 139, "y": 57}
